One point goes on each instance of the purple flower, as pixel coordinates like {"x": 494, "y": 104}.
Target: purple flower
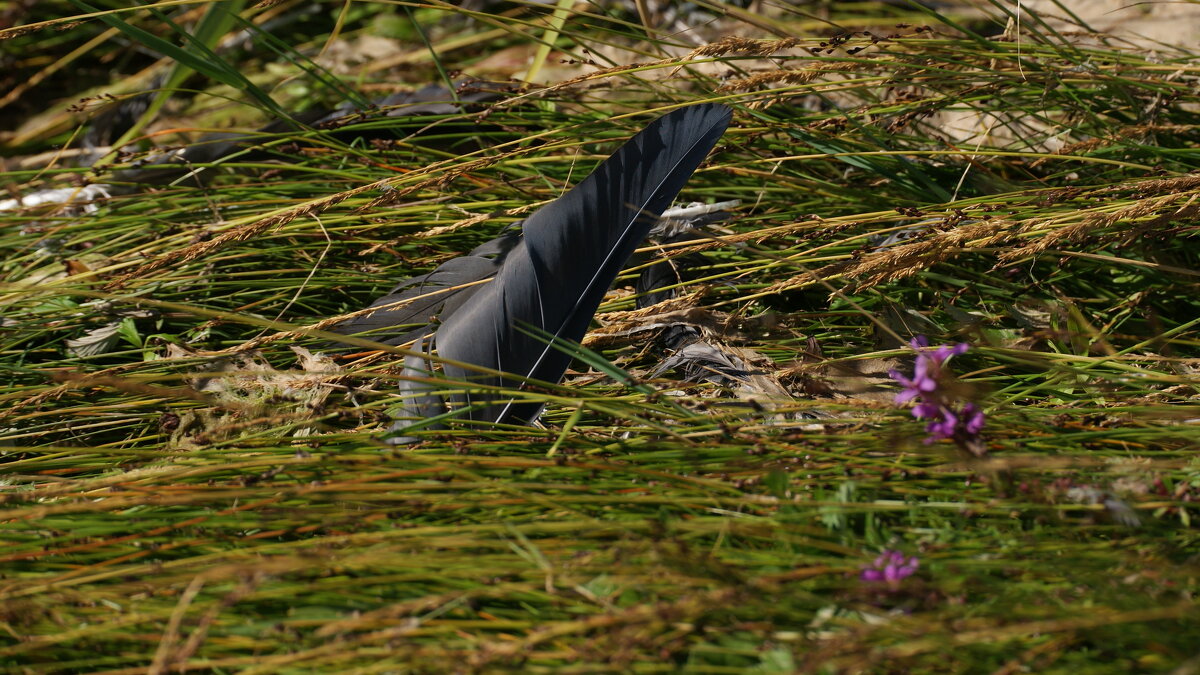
{"x": 942, "y": 427}
{"x": 921, "y": 383}
{"x": 889, "y": 568}
{"x": 927, "y": 370}
{"x": 973, "y": 419}
{"x": 925, "y": 410}
{"x": 946, "y": 419}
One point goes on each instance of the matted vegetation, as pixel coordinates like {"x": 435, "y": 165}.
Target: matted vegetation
{"x": 187, "y": 483}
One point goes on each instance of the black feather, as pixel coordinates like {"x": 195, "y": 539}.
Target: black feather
{"x": 571, "y": 251}
{"x": 416, "y": 301}
{"x": 420, "y": 397}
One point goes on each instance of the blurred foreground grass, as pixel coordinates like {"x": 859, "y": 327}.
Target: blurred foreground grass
{"x": 901, "y": 172}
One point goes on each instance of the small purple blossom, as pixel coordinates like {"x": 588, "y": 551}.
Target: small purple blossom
{"x": 928, "y": 386}
{"x": 973, "y": 419}
{"x": 890, "y": 568}
{"x": 942, "y": 427}
{"x": 928, "y": 369}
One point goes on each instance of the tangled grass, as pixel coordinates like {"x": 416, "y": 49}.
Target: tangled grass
{"x": 187, "y": 483}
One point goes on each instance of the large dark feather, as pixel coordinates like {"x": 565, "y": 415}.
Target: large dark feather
{"x": 415, "y": 302}
{"x": 572, "y": 250}
{"x": 419, "y": 395}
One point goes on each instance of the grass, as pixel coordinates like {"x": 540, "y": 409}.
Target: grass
{"x": 251, "y": 520}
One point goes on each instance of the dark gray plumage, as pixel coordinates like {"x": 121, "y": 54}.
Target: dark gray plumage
{"x": 417, "y": 301}
{"x": 572, "y": 250}
{"x": 552, "y": 279}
